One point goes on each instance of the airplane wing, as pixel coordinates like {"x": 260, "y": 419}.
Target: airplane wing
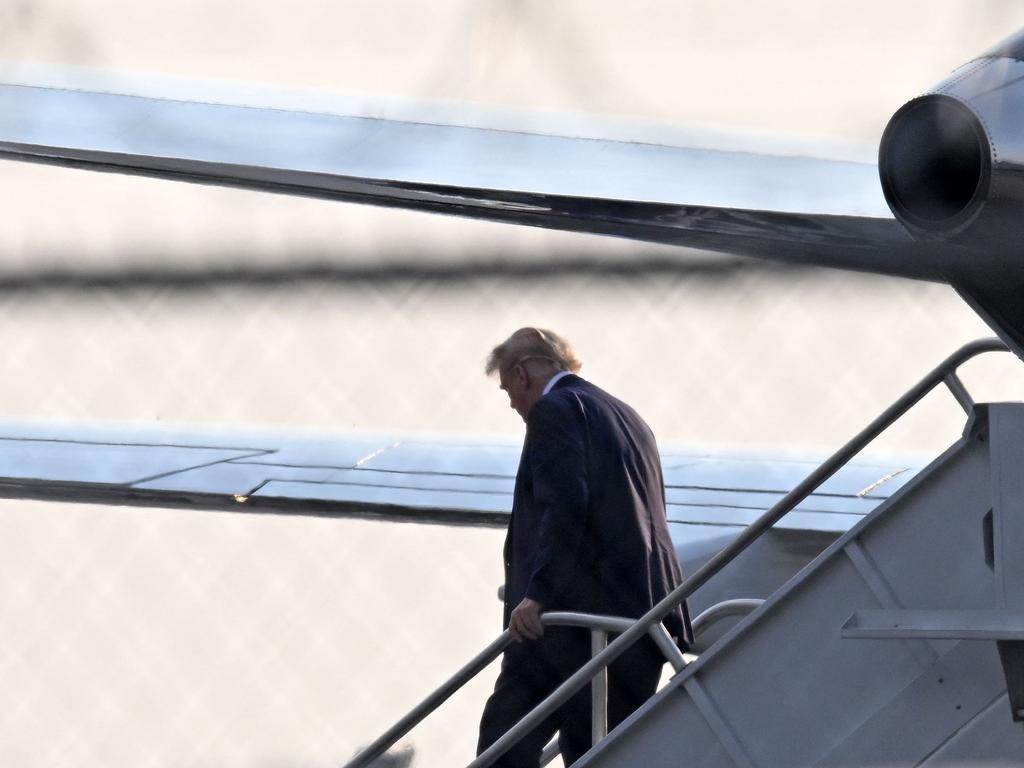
{"x": 441, "y": 479}
{"x": 786, "y": 208}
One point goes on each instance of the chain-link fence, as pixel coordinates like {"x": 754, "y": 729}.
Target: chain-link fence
{"x": 711, "y": 353}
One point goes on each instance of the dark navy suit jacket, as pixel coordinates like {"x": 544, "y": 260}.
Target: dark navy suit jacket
{"x": 588, "y": 529}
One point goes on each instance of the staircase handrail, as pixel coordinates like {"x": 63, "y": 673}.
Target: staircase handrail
{"x": 594, "y": 622}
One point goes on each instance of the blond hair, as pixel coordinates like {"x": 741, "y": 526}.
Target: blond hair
{"x": 533, "y": 344}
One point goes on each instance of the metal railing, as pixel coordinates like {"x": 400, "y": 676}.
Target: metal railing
{"x": 723, "y": 610}
{"x": 599, "y": 626}
{"x": 707, "y": 619}
{"x": 944, "y": 373}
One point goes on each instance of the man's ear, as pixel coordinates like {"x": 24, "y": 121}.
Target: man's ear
{"x": 522, "y": 375}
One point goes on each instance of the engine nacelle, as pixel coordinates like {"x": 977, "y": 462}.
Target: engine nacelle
{"x": 952, "y": 161}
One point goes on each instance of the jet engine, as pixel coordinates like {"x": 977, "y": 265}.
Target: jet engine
{"x": 952, "y": 161}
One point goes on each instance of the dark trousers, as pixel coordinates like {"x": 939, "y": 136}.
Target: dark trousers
{"x": 531, "y": 670}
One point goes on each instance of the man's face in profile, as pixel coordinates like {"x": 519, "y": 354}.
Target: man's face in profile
{"x": 516, "y": 384}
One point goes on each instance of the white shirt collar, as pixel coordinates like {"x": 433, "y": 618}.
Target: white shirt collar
{"x": 553, "y": 380}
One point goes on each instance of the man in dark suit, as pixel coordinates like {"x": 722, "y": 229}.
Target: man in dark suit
{"x": 588, "y": 533}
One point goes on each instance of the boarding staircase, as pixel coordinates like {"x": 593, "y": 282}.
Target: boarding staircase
{"x": 900, "y": 645}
